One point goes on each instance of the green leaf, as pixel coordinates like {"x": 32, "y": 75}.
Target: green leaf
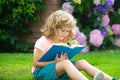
{"x": 103, "y": 2}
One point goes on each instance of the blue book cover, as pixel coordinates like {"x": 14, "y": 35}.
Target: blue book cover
{"x": 71, "y": 51}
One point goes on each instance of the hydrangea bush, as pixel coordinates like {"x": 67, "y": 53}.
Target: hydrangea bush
{"x": 96, "y": 27}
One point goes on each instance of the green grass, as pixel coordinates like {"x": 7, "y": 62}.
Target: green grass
{"x": 17, "y": 66}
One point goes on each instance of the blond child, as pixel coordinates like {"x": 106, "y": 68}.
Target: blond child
{"x": 58, "y": 29}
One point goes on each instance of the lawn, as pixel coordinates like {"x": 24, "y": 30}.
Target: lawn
{"x": 17, "y": 66}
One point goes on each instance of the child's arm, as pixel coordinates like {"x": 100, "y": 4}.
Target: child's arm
{"x": 37, "y": 55}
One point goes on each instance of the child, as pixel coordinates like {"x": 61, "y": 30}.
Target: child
{"x": 58, "y": 29}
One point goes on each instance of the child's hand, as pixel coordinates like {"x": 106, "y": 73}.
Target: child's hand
{"x": 62, "y": 57}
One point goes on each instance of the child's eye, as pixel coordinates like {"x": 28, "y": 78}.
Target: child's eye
{"x": 63, "y": 30}
{"x": 67, "y": 31}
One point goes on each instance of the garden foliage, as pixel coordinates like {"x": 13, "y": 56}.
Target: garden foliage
{"x": 14, "y": 15}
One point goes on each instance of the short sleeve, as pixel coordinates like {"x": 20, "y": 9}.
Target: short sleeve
{"x": 43, "y": 44}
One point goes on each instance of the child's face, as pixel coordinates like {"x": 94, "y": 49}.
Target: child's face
{"x": 63, "y": 32}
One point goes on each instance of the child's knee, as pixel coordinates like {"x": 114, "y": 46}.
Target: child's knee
{"x": 82, "y": 61}
{"x": 66, "y": 63}
{"x": 63, "y": 64}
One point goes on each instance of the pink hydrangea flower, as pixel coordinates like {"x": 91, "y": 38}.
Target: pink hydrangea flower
{"x": 79, "y": 36}
{"x": 67, "y": 7}
{"x": 95, "y": 31}
{"x": 96, "y": 38}
{"x": 105, "y": 20}
{"x": 116, "y": 29}
{"x": 86, "y": 49}
{"x": 76, "y": 30}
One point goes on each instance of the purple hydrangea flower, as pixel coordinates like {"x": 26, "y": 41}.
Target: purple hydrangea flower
{"x": 95, "y": 31}
{"x": 67, "y": 7}
{"x": 76, "y": 30}
{"x": 99, "y": 7}
{"x": 86, "y": 49}
{"x": 111, "y": 1}
{"x": 108, "y": 4}
{"x": 116, "y": 29}
{"x": 79, "y": 36}
{"x": 105, "y": 20}
{"x": 105, "y": 10}
{"x": 104, "y": 32}
{"x": 96, "y": 38}
{"x": 108, "y": 27}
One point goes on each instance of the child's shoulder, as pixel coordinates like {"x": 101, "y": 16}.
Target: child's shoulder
{"x": 42, "y": 39}
{"x": 43, "y": 43}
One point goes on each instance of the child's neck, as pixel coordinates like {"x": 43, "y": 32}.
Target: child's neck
{"x": 59, "y": 41}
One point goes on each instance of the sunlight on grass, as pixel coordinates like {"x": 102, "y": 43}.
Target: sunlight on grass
{"x": 17, "y": 66}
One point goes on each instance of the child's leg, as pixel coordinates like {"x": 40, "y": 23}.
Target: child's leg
{"x": 89, "y": 69}
{"x": 70, "y": 69}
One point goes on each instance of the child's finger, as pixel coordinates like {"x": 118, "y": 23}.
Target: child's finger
{"x": 66, "y": 56}
{"x": 56, "y": 56}
{"x": 61, "y": 55}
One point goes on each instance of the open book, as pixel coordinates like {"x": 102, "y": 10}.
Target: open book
{"x": 55, "y": 49}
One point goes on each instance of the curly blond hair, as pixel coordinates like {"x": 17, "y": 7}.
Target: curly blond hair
{"x": 57, "y": 20}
